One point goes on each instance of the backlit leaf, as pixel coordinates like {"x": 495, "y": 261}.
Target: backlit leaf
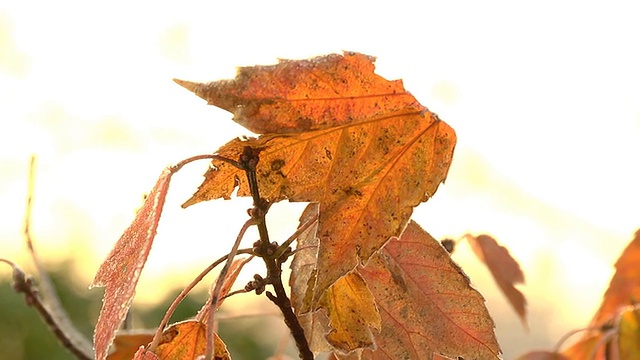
{"x": 352, "y": 314}
{"x": 303, "y": 95}
{"x": 504, "y": 269}
{"x": 367, "y": 178}
{"x": 624, "y": 288}
{"x": 127, "y": 344}
{"x": 426, "y": 303}
{"x": 121, "y": 270}
{"x": 186, "y": 341}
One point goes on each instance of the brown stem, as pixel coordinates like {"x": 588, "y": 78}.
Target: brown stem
{"x": 248, "y": 161}
{"x": 23, "y": 283}
{"x": 183, "y": 294}
{"x": 46, "y": 298}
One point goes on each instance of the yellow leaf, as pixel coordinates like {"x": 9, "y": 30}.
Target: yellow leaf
{"x": 352, "y": 313}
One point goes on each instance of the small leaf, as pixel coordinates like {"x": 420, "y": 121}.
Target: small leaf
{"x": 127, "y": 344}
{"x": 121, "y": 270}
{"x": 426, "y": 303}
{"x": 186, "y": 341}
{"x": 352, "y": 313}
{"x": 504, "y": 269}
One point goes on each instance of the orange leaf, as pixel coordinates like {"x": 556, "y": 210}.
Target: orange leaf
{"x": 121, "y": 270}
{"x": 504, "y": 268}
{"x": 426, "y": 303}
{"x": 303, "y": 95}
{"x": 127, "y": 344}
{"x": 624, "y": 288}
{"x": 352, "y": 313}
{"x": 542, "y": 355}
{"x": 187, "y": 340}
{"x": 367, "y": 171}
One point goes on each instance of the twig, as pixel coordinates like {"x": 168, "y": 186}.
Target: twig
{"x": 57, "y": 317}
{"x": 216, "y": 291}
{"x": 23, "y": 283}
{"x": 248, "y": 161}
{"x": 183, "y": 294}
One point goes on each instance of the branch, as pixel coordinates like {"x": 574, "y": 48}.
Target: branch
{"x": 268, "y": 251}
{"x": 183, "y": 294}
{"x": 23, "y": 283}
{"x": 48, "y": 306}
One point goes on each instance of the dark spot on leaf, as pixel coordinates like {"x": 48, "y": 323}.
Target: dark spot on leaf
{"x": 277, "y": 164}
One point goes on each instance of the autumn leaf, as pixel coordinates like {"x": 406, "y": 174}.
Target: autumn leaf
{"x": 127, "y": 344}
{"x": 303, "y": 95}
{"x": 187, "y": 340}
{"x": 504, "y": 269}
{"x": 303, "y": 265}
{"x": 623, "y": 291}
{"x": 368, "y": 170}
{"x": 348, "y": 313}
{"x": 426, "y": 303}
{"x": 352, "y": 314}
{"x": 121, "y": 270}
{"x": 542, "y": 355}
{"x": 624, "y": 288}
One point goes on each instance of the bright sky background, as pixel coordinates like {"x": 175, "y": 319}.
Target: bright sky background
{"x": 544, "y": 96}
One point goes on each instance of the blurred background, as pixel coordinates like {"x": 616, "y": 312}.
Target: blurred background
{"x": 545, "y": 99}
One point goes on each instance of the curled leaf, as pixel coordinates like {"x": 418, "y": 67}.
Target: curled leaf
{"x": 504, "y": 269}
{"x": 121, "y": 270}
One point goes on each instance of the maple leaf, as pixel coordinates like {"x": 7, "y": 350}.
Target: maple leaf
{"x": 504, "y": 269}
{"x": 121, "y": 270}
{"x": 376, "y": 156}
{"x": 186, "y": 340}
{"x": 426, "y": 303}
{"x": 303, "y": 95}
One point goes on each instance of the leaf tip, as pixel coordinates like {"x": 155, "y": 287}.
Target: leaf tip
{"x": 189, "y": 85}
